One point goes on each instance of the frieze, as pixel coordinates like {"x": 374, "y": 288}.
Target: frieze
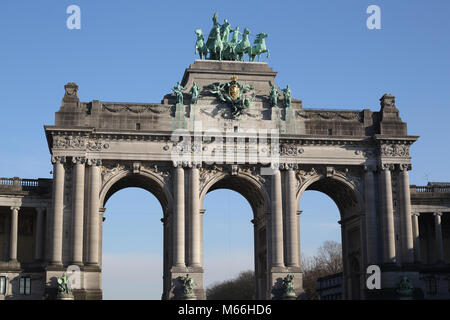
{"x": 115, "y": 108}
{"x": 394, "y": 150}
{"x": 97, "y": 145}
{"x": 290, "y": 150}
{"x": 69, "y": 142}
{"x": 329, "y": 115}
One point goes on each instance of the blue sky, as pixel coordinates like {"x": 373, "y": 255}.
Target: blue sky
{"x": 137, "y": 50}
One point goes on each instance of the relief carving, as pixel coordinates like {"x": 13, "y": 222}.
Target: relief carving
{"x": 97, "y": 145}
{"x": 394, "y": 150}
{"x": 114, "y": 108}
{"x": 69, "y": 142}
{"x": 329, "y": 115}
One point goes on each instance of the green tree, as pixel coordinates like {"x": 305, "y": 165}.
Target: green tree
{"x": 240, "y": 288}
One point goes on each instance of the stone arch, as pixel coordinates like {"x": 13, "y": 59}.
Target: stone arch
{"x": 336, "y": 187}
{"x": 144, "y": 179}
{"x": 348, "y": 196}
{"x": 252, "y": 188}
{"x": 155, "y": 182}
{"x": 243, "y": 183}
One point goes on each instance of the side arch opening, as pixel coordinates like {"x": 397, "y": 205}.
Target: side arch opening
{"x": 349, "y": 203}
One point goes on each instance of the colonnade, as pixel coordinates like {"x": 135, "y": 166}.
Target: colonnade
{"x": 38, "y": 237}
{"x": 438, "y": 236}
{"x": 78, "y": 206}
{"x": 388, "y": 231}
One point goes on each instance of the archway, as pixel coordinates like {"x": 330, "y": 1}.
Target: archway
{"x": 227, "y": 237}
{"x": 132, "y": 246}
{"x": 253, "y": 191}
{"x": 320, "y": 245}
{"x": 349, "y": 202}
{"x": 153, "y": 183}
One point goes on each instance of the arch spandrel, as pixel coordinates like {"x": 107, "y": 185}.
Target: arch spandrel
{"x": 343, "y": 186}
{"x": 245, "y": 181}
{"x": 119, "y": 175}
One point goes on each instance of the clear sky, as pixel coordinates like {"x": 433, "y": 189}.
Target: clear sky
{"x": 135, "y": 51}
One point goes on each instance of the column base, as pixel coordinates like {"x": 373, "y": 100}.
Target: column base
{"x": 77, "y": 263}
{"x": 54, "y": 266}
{"x": 12, "y": 265}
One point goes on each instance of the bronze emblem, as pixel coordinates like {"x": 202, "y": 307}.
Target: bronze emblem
{"x": 234, "y": 90}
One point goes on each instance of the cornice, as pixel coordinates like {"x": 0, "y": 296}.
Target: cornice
{"x": 386, "y": 139}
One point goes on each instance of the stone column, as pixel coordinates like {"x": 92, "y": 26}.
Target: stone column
{"x": 78, "y": 210}
{"x": 38, "y": 250}
{"x": 202, "y": 213}
{"x": 416, "y": 236}
{"x": 100, "y": 242}
{"x": 299, "y": 212}
{"x": 194, "y": 219}
{"x": 277, "y": 221}
{"x": 388, "y": 214}
{"x": 179, "y": 218}
{"x": 405, "y": 213}
{"x": 292, "y": 237}
{"x": 94, "y": 215}
{"x": 14, "y": 234}
{"x": 371, "y": 219}
{"x": 438, "y": 237}
{"x": 58, "y": 207}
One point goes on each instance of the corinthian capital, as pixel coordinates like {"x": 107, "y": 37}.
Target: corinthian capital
{"x": 387, "y": 166}
{"x": 58, "y": 159}
{"x": 94, "y": 162}
{"x": 78, "y": 160}
{"x": 405, "y": 167}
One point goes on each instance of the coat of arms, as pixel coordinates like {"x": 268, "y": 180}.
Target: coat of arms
{"x": 233, "y": 89}
{"x": 234, "y": 93}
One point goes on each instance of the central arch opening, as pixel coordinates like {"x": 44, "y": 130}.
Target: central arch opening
{"x": 228, "y": 237}
{"x": 234, "y": 233}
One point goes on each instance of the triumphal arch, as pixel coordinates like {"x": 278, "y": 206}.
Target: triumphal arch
{"x": 226, "y": 125}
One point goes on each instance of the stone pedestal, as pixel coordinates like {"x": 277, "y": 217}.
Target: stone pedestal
{"x": 64, "y": 297}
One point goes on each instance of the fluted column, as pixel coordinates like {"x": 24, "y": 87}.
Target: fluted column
{"x": 58, "y": 207}
{"x": 202, "y": 213}
{"x": 38, "y": 250}
{"x": 14, "y": 234}
{"x": 78, "y": 210}
{"x": 388, "y": 214}
{"x": 405, "y": 214}
{"x": 416, "y": 236}
{"x": 179, "y": 218}
{"x": 194, "y": 219}
{"x": 277, "y": 221}
{"x": 94, "y": 214}
{"x": 438, "y": 237}
{"x": 100, "y": 242}
{"x": 371, "y": 219}
{"x": 292, "y": 236}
